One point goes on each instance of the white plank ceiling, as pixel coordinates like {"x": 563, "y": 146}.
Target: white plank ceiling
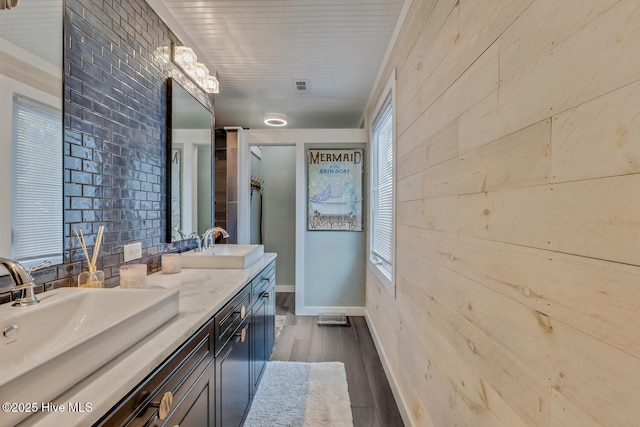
{"x": 258, "y": 48}
{"x": 36, "y": 27}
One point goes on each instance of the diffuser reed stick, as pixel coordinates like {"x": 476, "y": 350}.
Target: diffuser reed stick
{"x": 96, "y": 249}
{"x": 94, "y": 278}
{"x": 80, "y": 238}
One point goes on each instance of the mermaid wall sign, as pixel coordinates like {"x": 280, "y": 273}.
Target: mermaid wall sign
{"x": 334, "y": 189}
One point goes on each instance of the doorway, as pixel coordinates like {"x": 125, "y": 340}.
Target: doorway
{"x": 273, "y": 208}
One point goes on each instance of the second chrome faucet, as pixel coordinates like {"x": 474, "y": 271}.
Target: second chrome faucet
{"x": 208, "y": 238}
{"x": 210, "y": 235}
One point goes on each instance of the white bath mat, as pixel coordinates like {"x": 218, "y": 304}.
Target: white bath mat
{"x": 295, "y": 394}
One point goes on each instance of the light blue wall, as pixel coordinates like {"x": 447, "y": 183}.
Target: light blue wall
{"x": 334, "y": 269}
{"x": 278, "y": 168}
{"x": 335, "y": 261}
{"x": 328, "y": 267}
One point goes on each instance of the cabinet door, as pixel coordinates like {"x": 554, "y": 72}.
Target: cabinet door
{"x": 260, "y": 338}
{"x": 196, "y": 408}
{"x": 233, "y": 380}
{"x": 270, "y": 318}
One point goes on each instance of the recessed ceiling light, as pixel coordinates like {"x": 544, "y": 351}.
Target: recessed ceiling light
{"x": 276, "y": 120}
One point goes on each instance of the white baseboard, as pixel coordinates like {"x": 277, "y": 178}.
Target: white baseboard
{"x": 285, "y": 288}
{"x": 400, "y": 400}
{"x": 315, "y": 311}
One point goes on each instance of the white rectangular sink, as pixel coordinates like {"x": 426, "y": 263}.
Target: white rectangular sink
{"x": 48, "y": 347}
{"x": 223, "y": 256}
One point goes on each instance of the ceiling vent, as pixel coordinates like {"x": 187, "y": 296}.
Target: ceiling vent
{"x": 301, "y": 87}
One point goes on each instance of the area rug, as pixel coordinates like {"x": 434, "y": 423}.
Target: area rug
{"x": 296, "y": 394}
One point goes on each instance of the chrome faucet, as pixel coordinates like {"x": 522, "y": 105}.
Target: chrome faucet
{"x": 195, "y": 236}
{"x": 210, "y": 235}
{"x": 177, "y": 230}
{"x": 22, "y": 280}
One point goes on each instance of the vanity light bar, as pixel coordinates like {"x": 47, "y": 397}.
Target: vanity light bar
{"x": 187, "y": 61}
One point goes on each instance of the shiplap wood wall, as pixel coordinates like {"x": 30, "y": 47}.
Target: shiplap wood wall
{"x": 518, "y": 214}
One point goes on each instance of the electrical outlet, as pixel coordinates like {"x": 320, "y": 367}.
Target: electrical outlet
{"x": 132, "y": 251}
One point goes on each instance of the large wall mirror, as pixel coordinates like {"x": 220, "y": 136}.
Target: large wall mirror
{"x": 31, "y": 215}
{"x": 190, "y": 183}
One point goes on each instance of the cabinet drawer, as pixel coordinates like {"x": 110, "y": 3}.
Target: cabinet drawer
{"x": 263, "y": 281}
{"x": 269, "y": 270}
{"x": 175, "y": 375}
{"x": 229, "y": 318}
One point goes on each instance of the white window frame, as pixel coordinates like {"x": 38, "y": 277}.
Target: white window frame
{"x": 385, "y": 275}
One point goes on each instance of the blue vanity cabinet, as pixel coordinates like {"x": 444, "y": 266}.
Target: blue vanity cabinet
{"x": 244, "y": 350}
{"x": 233, "y": 331}
{"x": 263, "y": 310}
{"x": 179, "y": 392}
{"x": 211, "y": 379}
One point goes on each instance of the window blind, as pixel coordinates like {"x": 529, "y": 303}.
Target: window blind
{"x": 36, "y": 182}
{"x": 382, "y": 186}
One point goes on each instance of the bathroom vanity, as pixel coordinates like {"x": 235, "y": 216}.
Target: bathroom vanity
{"x": 201, "y": 368}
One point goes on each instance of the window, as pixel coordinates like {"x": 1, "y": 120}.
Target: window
{"x": 382, "y": 194}
{"x": 36, "y": 185}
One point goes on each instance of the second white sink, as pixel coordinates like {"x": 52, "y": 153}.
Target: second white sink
{"x": 223, "y": 256}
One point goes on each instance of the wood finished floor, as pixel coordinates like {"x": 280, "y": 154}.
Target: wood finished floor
{"x": 302, "y": 340}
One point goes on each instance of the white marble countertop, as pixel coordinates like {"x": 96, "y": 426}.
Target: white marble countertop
{"x": 202, "y": 293}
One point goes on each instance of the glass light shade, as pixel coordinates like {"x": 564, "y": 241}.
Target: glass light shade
{"x": 185, "y": 56}
{"x": 211, "y": 85}
{"x": 190, "y": 69}
{"x": 201, "y": 72}
{"x": 187, "y": 61}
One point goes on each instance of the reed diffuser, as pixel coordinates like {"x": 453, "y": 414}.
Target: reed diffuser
{"x": 93, "y": 278}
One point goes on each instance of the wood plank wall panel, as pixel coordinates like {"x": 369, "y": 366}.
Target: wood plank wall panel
{"x": 477, "y": 83}
{"x": 598, "y": 138}
{"x": 566, "y": 70}
{"x": 594, "y": 218}
{"x": 564, "y": 413}
{"x": 518, "y": 222}
{"x": 468, "y": 30}
{"x": 569, "y": 288}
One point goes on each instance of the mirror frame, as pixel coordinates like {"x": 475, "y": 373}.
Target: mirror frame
{"x": 171, "y": 82}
